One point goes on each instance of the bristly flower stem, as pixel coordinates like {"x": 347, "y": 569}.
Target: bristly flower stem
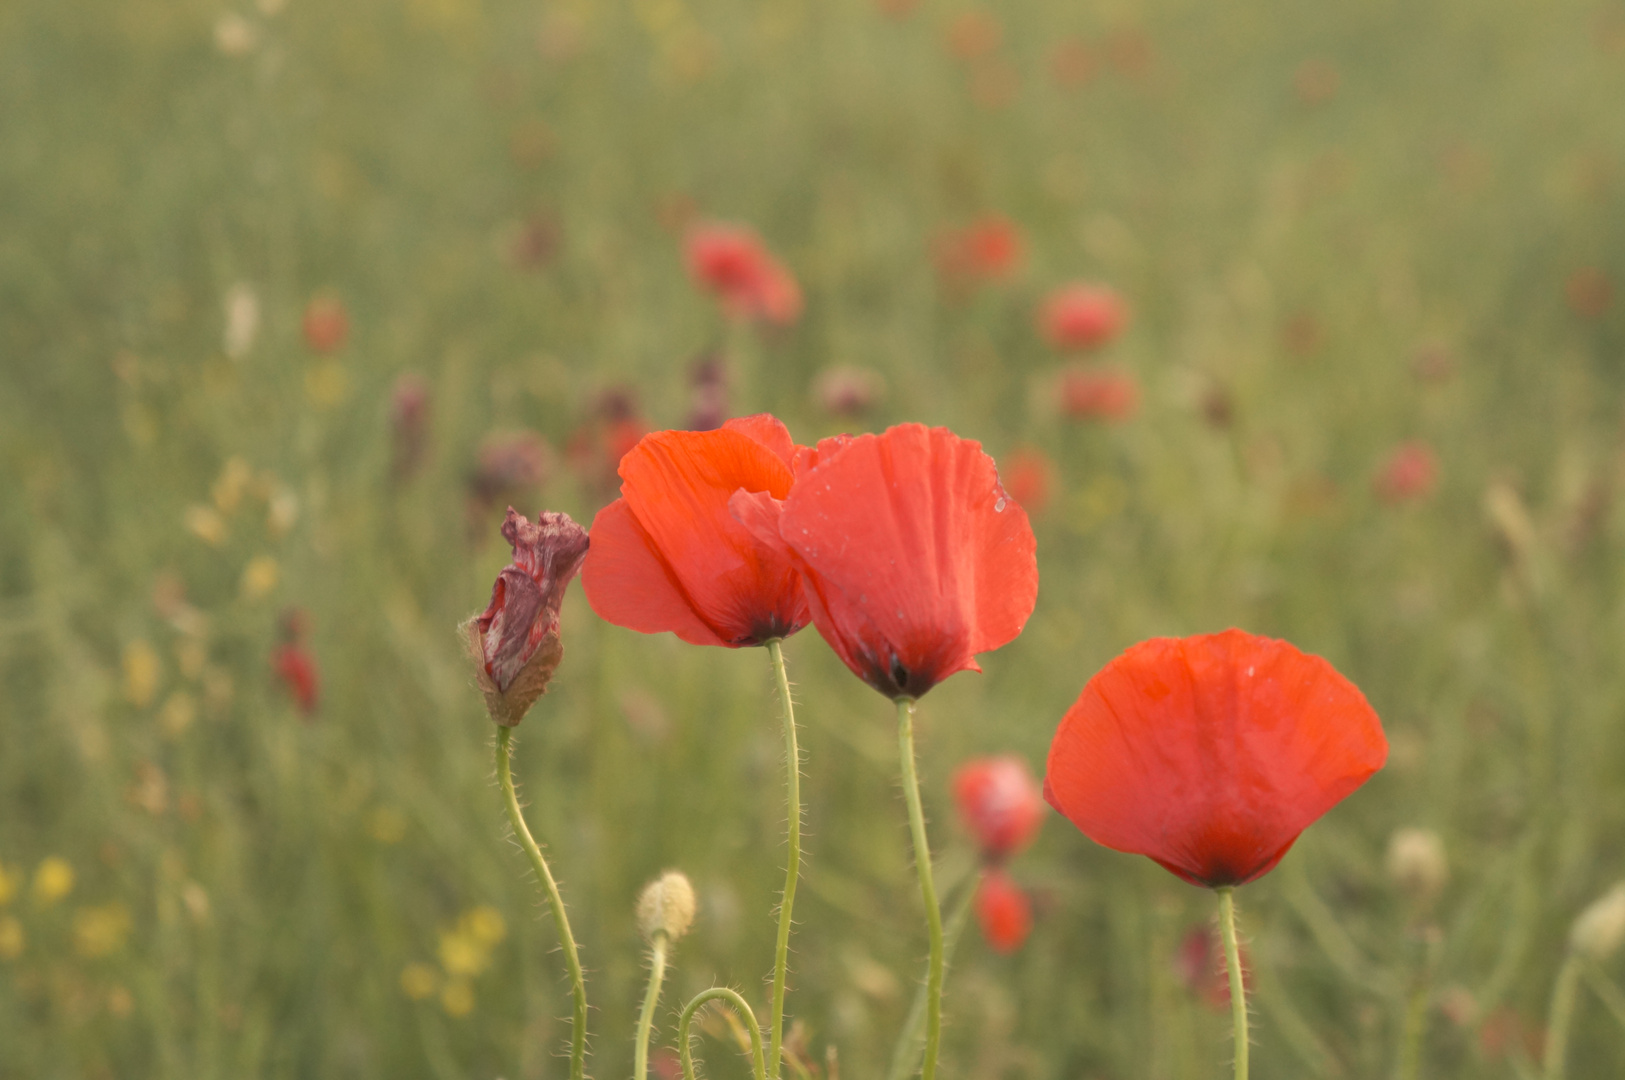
{"x": 792, "y": 770}
{"x": 1238, "y": 989}
{"x": 747, "y": 1016}
{"x": 657, "y": 975}
{"x": 578, "y": 1022}
{"x": 928, "y": 891}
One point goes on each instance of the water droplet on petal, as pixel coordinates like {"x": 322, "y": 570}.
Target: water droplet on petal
{"x": 998, "y": 507}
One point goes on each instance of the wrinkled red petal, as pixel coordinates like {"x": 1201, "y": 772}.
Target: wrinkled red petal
{"x": 676, "y": 486}
{"x": 628, "y": 585}
{"x": 916, "y": 558}
{"x": 768, "y": 430}
{"x": 1210, "y": 754}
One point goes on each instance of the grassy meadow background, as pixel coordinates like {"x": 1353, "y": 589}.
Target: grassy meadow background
{"x": 1340, "y": 228}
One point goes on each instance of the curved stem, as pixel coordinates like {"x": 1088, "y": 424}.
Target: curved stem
{"x": 928, "y": 891}
{"x": 792, "y": 768}
{"x": 1238, "y": 989}
{"x": 657, "y": 974}
{"x": 742, "y": 1007}
{"x": 906, "y": 1054}
{"x": 578, "y": 1022}
{"x": 1561, "y": 1015}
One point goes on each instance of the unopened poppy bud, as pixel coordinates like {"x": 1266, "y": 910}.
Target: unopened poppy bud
{"x": 1600, "y": 929}
{"x": 1416, "y": 863}
{"x": 666, "y": 906}
{"x": 515, "y": 642}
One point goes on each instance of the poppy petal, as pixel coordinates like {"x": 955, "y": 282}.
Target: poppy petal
{"x": 1210, "y": 754}
{"x": 768, "y": 430}
{"x": 627, "y": 583}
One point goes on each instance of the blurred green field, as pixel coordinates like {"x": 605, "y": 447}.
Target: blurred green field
{"x": 1340, "y": 228}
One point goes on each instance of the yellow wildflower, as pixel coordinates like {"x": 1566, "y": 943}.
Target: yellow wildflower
{"x": 99, "y": 931}
{"x": 457, "y": 998}
{"x": 259, "y": 577}
{"x": 418, "y": 981}
{"x": 11, "y": 938}
{"x": 53, "y": 880}
{"x": 142, "y": 670}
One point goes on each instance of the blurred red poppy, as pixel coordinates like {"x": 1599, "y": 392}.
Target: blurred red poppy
{"x": 1210, "y": 754}
{"x": 297, "y": 669}
{"x": 1410, "y": 473}
{"x": 1029, "y": 476}
{"x": 1106, "y": 395}
{"x": 1004, "y": 912}
{"x": 1200, "y": 965}
{"x": 732, "y": 261}
{"x": 1000, "y": 803}
{"x": 668, "y": 555}
{"x": 409, "y": 424}
{"x": 1082, "y": 316}
{"x": 326, "y": 325}
{"x": 915, "y": 559}
{"x": 988, "y": 249}
{"x": 515, "y": 641}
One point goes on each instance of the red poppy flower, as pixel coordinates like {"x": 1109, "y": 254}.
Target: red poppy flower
{"x": 1210, "y": 754}
{"x": 1082, "y": 316}
{"x": 297, "y": 670}
{"x": 915, "y": 559}
{"x": 515, "y": 641}
{"x": 732, "y": 261}
{"x": 1410, "y": 473}
{"x": 326, "y": 325}
{"x": 1029, "y": 476}
{"x": 1109, "y": 396}
{"x": 1004, "y": 912}
{"x": 668, "y": 555}
{"x": 988, "y": 249}
{"x": 1000, "y": 803}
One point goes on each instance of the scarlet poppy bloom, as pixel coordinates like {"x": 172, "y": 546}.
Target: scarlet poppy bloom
{"x": 988, "y": 249}
{"x": 1029, "y": 476}
{"x": 297, "y": 670}
{"x": 1410, "y": 473}
{"x": 1004, "y": 912}
{"x": 732, "y": 261}
{"x": 326, "y": 325}
{"x": 515, "y": 641}
{"x": 914, "y": 556}
{"x": 1108, "y": 396}
{"x": 1210, "y": 754}
{"x": 668, "y": 555}
{"x": 1000, "y": 803}
{"x": 1082, "y": 316}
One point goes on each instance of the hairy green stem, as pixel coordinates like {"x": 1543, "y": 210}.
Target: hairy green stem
{"x": 906, "y": 1054}
{"x": 928, "y": 891}
{"x": 1238, "y": 989}
{"x": 578, "y": 1022}
{"x": 792, "y": 771}
{"x": 1561, "y": 1015}
{"x": 746, "y": 1014}
{"x": 646, "y": 1018}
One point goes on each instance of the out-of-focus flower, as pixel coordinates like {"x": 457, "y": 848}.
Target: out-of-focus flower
{"x": 1505, "y": 1033}
{"x": 326, "y": 325}
{"x": 973, "y": 35}
{"x": 732, "y": 262}
{"x": 666, "y": 906}
{"x": 989, "y": 249}
{"x": 536, "y": 242}
{"x": 1302, "y": 336}
{"x": 1004, "y": 912}
{"x": 8, "y": 885}
{"x": 1082, "y": 316}
{"x": 708, "y": 383}
{"x": 259, "y": 577}
{"x": 242, "y": 320}
{"x": 235, "y": 35}
{"x": 1589, "y": 292}
{"x": 897, "y": 9}
{"x": 142, "y": 673}
{"x": 1072, "y": 63}
{"x": 1416, "y": 863}
{"x": 101, "y": 931}
{"x": 1107, "y": 395}
{"x": 509, "y": 466}
{"x": 53, "y": 880}
{"x": 12, "y": 939}
{"x": 1211, "y": 754}
{"x": 1130, "y": 52}
{"x": 418, "y": 981}
{"x": 669, "y": 556}
{"x": 228, "y": 489}
{"x": 1000, "y": 803}
{"x": 1217, "y": 406}
{"x": 457, "y": 997}
{"x": 205, "y": 523}
{"x": 914, "y": 557}
{"x": 595, "y": 449}
{"x": 1600, "y": 930}
{"x": 1200, "y": 966}
{"x": 1316, "y": 81}
{"x": 296, "y": 667}
{"x": 1029, "y": 477}
{"x": 847, "y": 390}
{"x": 515, "y": 641}
{"x": 409, "y": 424}
{"x": 1433, "y": 364}
{"x": 1409, "y": 475}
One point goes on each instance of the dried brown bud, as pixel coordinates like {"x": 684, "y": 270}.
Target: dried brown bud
{"x": 515, "y": 643}
{"x": 666, "y": 906}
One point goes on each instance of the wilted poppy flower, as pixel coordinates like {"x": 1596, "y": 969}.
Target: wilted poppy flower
{"x": 1004, "y": 912}
{"x": 1082, "y": 316}
{"x": 1210, "y": 754}
{"x": 1411, "y": 472}
{"x": 326, "y": 325}
{"x": 1029, "y": 477}
{"x": 1000, "y": 803}
{"x": 732, "y": 261}
{"x": 510, "y": 465}
{"x": 988, "y": 249}
{"x": 915, "y": 558}
{"x": 297, "y": 669}
{"x": 668, "y": 555}
{"x": 1089, "y": 394}
{"x": 708, "y": 383}
{"x": 515, "y": 641}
